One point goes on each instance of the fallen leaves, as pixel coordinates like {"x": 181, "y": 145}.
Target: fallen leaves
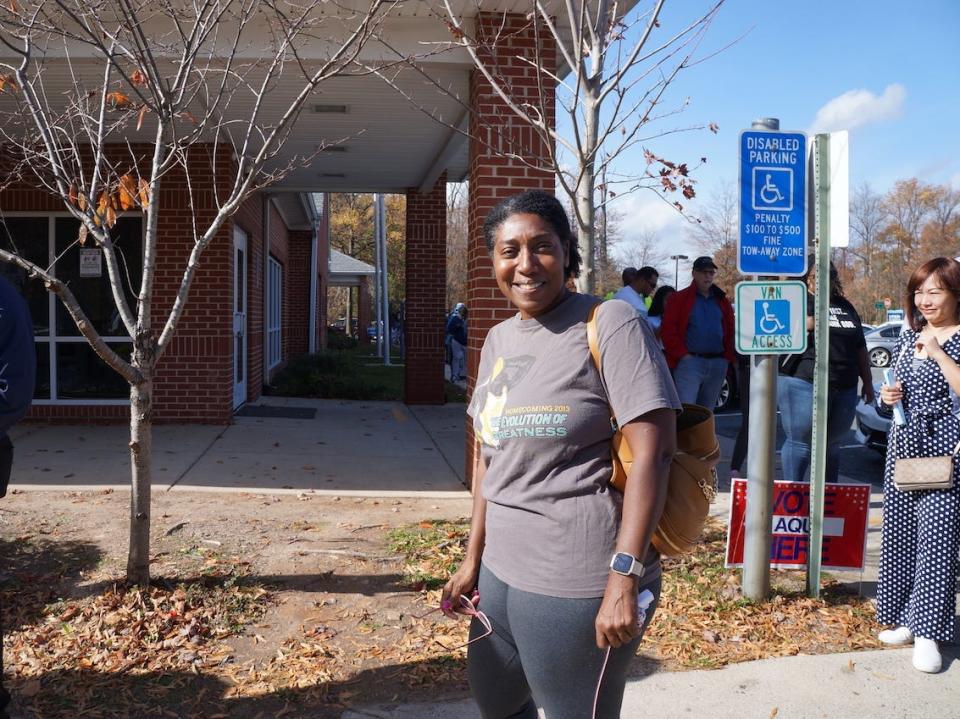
{"x": 702, "y": 620}
{"x": 211, "y": 641}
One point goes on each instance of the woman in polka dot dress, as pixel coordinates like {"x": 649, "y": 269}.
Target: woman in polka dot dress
{"x": 921, "y": 528}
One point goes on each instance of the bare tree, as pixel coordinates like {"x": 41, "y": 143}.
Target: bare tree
{"x": 457, "y": 236}
{"x": 153, "y": 88}
{"x": 715, "y": 231}
{"x": 866, "y": 224}
{"x": 611, "y": 90}
{"x": 642, "y": 249}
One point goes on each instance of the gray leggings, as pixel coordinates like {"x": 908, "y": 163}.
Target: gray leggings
{"x": 543, "y": 651}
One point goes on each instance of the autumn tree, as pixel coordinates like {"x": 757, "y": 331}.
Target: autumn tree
{"x": 351, "y": 232}
{"x": 106, "y": 104}
{"x": 891, "y": 234}
{"x": 615, "y": 70}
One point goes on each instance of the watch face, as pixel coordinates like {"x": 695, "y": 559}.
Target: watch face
{"x": 622, "y": 563}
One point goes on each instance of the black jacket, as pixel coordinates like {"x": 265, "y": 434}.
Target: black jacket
{"x": 18, "y": 358}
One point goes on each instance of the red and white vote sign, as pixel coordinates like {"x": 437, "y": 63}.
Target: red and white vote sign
{"x": 846, "y": 509}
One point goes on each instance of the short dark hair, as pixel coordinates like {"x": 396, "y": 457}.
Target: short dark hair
{"x": 546, "y": 207}
{"x": 647, "y": 273}
{"x": 629, "y": 275}
{"x": 659, "y": 302}
{"x": 947, "y": 271}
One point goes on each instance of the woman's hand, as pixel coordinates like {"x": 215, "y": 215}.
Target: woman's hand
{"x": 932, "y": 347}
{"x": 463, "y": 581}
{"x": 890, "y": 395}
{"x": 616, "y": 622}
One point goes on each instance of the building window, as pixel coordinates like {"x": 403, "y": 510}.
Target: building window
{"x": 67, "y": 368}
{"x": 274, "y": 307}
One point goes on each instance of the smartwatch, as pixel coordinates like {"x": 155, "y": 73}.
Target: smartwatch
{"x": 626, "y": 564}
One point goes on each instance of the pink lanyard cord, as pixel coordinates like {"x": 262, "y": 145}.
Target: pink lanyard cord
{"x": 466, "y": 607}
{"x": 644, "y": 600}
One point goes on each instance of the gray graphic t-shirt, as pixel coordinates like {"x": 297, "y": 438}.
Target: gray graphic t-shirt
{"x": 541, "y": 413}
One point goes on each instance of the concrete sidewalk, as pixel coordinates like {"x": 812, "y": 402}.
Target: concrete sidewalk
{"x": 383, "y": 449}
{"x": 859, "y": 685}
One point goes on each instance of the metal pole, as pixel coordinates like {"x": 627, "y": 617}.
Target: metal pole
{"x": 378, "y": 269}
{"x": 384, "y": 277}
{"x": 762, "y": 433}
{"x": 818, "y": 440}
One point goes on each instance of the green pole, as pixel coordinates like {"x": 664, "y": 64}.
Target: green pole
{"x": 818, "y": 444}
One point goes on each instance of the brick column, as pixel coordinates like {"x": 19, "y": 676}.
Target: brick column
{"x": 496, "y": 131}
{"x": 426, "y": 286}
{"x": 297, "y": 293}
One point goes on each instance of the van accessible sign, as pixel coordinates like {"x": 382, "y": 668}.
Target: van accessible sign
{"x": 771, "y": 317}
{"x": 773, "y": 203}
{"x": 846, "y": 509}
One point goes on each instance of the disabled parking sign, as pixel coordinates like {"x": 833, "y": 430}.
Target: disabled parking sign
{"x": 771, "y": 317}
{"x": 773, "y": 215}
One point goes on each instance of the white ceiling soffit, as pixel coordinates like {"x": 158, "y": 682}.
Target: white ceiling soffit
{"x": 390, "y": 142}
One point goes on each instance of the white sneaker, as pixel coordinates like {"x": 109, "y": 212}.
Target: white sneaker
{"x": 896, "y": 637}
{"x": 926, "y": 655}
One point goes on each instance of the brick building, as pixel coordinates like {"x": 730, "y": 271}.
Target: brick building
{"x": 259, "y": 297}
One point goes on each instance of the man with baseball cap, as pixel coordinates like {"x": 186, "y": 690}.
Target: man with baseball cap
{"x": 697, "y": 333}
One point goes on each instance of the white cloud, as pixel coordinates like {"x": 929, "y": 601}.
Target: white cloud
{"x": 641, "y": 213}
{"x": 859, "y": 107}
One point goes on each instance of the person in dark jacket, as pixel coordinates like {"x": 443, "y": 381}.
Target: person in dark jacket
{"x": 17, "y": 377}
{"x": 697, "y": 335}
{"x": 457, "y": 341}
{"x": 848, "y": 367}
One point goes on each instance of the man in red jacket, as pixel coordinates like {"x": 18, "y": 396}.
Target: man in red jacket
{"x": 697, "y": 333}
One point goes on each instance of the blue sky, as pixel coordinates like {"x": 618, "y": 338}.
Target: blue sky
{"x": 887, "y": 71}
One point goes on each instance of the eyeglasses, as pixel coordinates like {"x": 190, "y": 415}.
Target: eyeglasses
{"x": 466, "y": 607}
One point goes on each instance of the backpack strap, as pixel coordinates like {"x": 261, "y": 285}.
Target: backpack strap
{"x": 593, "y": 342}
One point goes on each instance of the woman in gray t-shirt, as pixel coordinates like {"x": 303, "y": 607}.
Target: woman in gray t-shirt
{"x": 557, "y": 554}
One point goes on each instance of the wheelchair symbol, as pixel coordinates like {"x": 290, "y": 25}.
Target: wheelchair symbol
{"x": 770, "y": 193}
{"x": 772, "y": 189}
{"x": 770, "y": 323}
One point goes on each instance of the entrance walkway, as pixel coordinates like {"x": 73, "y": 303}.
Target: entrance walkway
{"x": 349, "y": 448}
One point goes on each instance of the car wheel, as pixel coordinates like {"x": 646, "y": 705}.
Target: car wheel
{"x": 879, "y": 357}
{"x": 728, "y": 391}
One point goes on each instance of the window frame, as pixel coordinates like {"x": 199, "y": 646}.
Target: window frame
{"x": 53, "y": 337}
{"x": 274, "y": 355}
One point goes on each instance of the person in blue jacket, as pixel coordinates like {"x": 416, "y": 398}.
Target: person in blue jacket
{"x": 18, "y": 360}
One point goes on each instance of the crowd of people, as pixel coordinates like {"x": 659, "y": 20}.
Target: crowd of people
{"x": 552, "y": 544}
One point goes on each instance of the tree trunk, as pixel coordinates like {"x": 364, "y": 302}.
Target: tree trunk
{"x": 585, "y": 230}
{"x": 141, "y": 465}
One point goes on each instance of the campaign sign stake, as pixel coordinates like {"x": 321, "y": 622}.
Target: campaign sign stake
{"x": 773, "y": 208}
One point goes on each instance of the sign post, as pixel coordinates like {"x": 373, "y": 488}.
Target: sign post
{"x": 772, "y": 241}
